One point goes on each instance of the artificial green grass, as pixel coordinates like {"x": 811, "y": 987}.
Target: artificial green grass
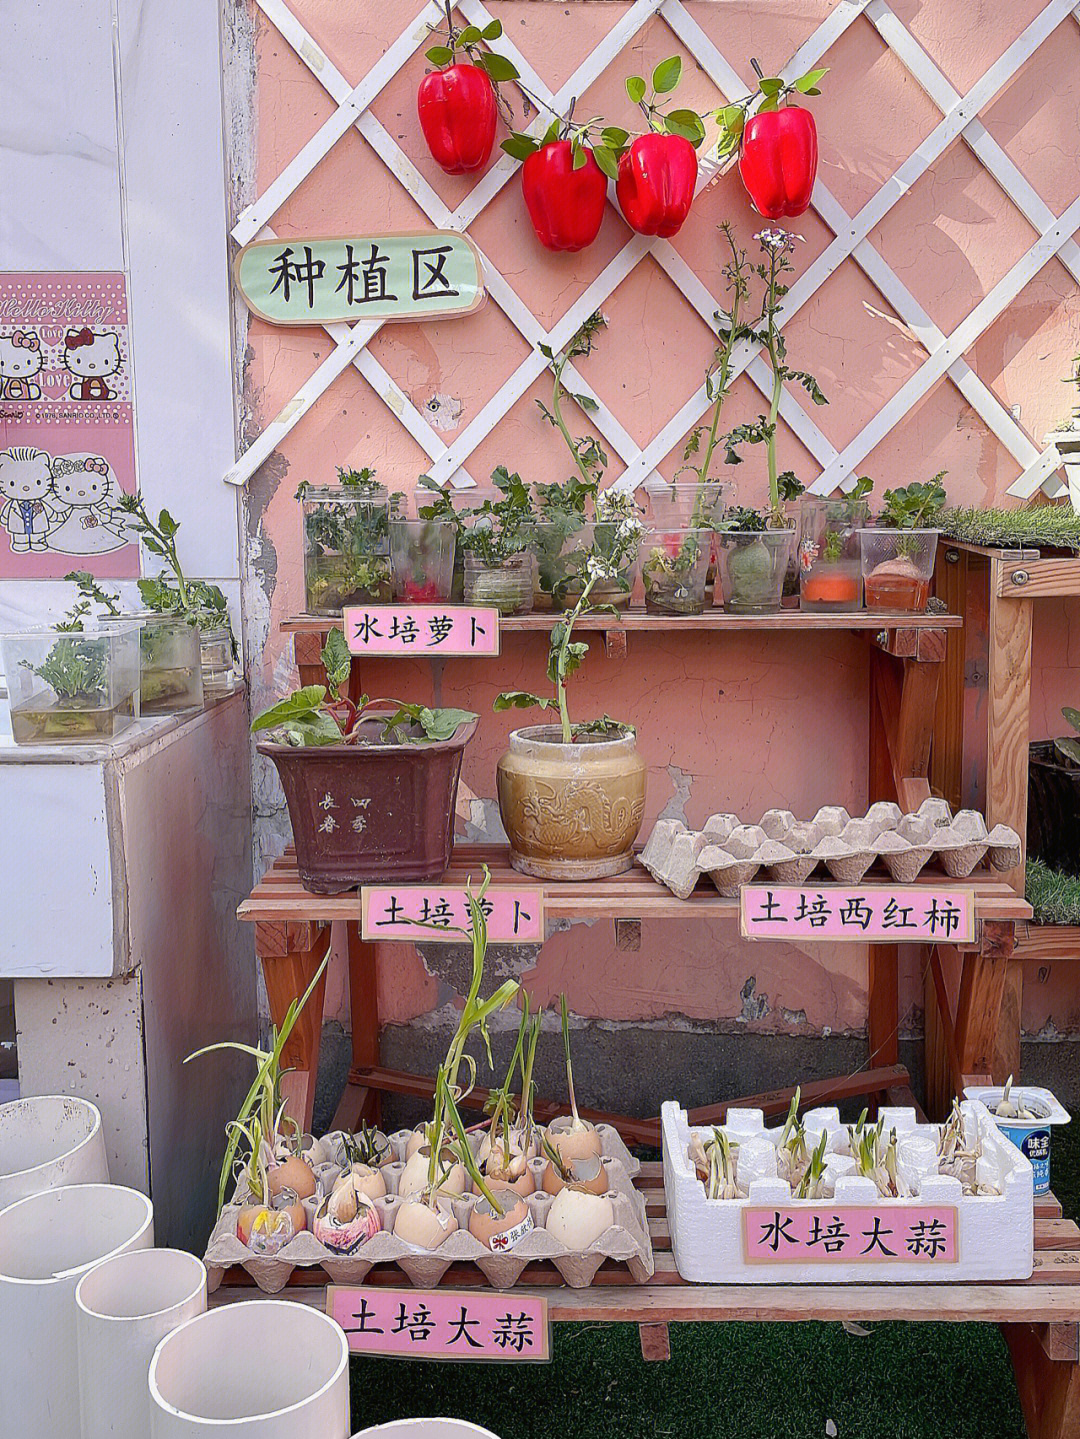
{"x": 733, "y": 1381}
{"x": 1055, "y": 525}
{"x": 1055, "y": 897}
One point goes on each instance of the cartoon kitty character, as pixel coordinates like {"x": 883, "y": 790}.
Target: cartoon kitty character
{"x": 21, "y": 358}
{"x": 84, "y": 486}
{"x": 27, "y": 507}
{"x": 91, "y": 358}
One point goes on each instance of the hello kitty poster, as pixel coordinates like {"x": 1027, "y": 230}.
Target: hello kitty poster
{"x": 67, "y": 443}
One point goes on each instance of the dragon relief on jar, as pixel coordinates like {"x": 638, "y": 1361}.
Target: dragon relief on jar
{"x": 577, "y": 815}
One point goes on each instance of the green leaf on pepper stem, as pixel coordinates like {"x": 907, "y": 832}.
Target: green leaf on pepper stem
{"x": 771, "y": 85}
{"x": 470, "y": 35}
{"x": 635, "y": 89}
{"x": 614, "y": 136}
{"x": 667, "y": 75}
{"x": 605, "y": 158}
{"x": 492, "y": 31}
{"x": 498, "y": 67}
{"x": 439, "y": 54}
{"x": 686, "y": 123}
{"x": 807, "y": 84}
{"x": 520, "y": 146}
{"x": 580, "y": 158}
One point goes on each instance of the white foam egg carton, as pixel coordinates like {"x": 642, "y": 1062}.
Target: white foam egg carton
{"x": 994, "y": 1233}
{"x": 788, "y": 850}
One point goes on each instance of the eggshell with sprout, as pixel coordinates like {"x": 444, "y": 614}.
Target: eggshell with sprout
{"x": 293, "y": 1173}
{"x": 416, "y": 1140}
{"x": 421, "y": 1225}
{"x": 576, "y": 1218}
{"x": 346, "y": 1219}
{"x": 580, "y": 1142}
{"x": 414, "y": 1177}
{"x": 365, "y": 1180}
{"x": 512, "y": 1171}
{"x": 587, "y": 1174}
{"x": 500, "y": 1233}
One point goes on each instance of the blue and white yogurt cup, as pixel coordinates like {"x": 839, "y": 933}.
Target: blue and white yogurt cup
{"x": 1031, "y": 1136}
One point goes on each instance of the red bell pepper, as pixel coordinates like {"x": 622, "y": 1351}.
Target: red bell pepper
{"x": 656, "y": 183}
{"x": 778, "y": 160}
{"x": 566, "y": 206}
{"x": 458, "y": 114}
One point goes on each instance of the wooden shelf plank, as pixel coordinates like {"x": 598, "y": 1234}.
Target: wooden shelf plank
{"x": 639, "y": 621}
{"x": 1047, "y": 941}
{"x": 634, "y": 895}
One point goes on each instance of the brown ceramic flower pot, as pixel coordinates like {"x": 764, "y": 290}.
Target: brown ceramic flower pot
{"x": 368, "y": 812}
{"x": 571, "y": 811}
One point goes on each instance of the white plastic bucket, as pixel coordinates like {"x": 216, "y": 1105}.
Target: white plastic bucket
{"x": 426, "y": 1429}
{"x": 47, "y": 1243}
{"x": 269, "y": 1369}
{"x": 124, "y": 1308}
{"x": 47, "y": 1141}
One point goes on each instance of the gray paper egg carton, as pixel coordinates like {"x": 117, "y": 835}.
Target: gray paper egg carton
{"x": 789, "y": 851}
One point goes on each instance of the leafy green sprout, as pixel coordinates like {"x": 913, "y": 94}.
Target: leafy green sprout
{"x": 913, "y": 507}
{"x": 75, "y": 670}
{"x": 502, "y": 528}
{"x": 815, "y": 1171}
{"x": 263, "y": 1102}
{"x": 172, "y": 592}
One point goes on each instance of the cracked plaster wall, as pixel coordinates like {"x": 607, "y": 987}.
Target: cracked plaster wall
{"x": 740, "y": 722}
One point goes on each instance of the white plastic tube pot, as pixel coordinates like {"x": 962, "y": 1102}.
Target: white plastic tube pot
{"x": 47, "y": 1243}
{"x": 426, "y": 1429}
{"x": 265, "y": 1369}
{"x": 124, "y": 1307}
{"x": 47, "y": 1141}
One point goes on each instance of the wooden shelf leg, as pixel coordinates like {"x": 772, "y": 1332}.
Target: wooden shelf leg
{"x": 364, "y": 1009}
{"x": 655, "y": 1342}
{"x": 287, "y": 977}
{"x": 1049, "y": 1389}
{"x": 982, "y": 990}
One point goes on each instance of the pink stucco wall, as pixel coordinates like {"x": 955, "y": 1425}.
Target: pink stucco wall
{"x": 730, "y": 722}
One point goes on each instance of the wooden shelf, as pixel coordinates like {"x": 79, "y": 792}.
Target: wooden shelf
{"x": 1051, "y": 1295}
{"x": 1047, "y": 941}
{"x": 280, "y": 897}
{"x": 638, "y": 621}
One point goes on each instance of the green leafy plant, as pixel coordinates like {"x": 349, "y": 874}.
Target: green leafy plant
{"x": 92, "y": 592}
{"x": 172, "y": 593}
{"x": 588, "y": 456}
{"x": 501, "y": 528}
{"x": 620, "y": 530}
{"x": 324, "y": 714}
{"x": 263, "y": 1106}
{"x": 915, "y": 506}
{"x": 1054, "y": 896}
{"x": 771, "y": 92}
{"x": 347, "y": 539}
{"x": 76, "y": 671}
{"x": 469, "y": 41}
{"x": 664, "y": 79}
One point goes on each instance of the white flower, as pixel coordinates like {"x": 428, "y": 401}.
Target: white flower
{"x": 777, "y": 241}
{"x": 599, "y": 569}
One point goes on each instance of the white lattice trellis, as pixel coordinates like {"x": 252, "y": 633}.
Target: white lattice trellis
{"x": 945, "y": 353}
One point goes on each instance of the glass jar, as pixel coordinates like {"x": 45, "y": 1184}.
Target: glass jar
{"x": 70, "y": 686}
{"x": 753, "y": 568}
{"x": 216, "y": 654}
{"x": 346, "y": 547}
{"x": 897, "y": 566}
{"x": 170, "y": 673}
{"x": 829, "y": 575}
{"x": 506, "y": 585}
{"x": 422, "y": 558}
{"x": 675, "y": 569}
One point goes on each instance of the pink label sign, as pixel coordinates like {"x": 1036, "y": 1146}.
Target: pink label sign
{"x": 67, "y": 446}
{"x": 434, "y": 913}
{"x": 411, "y": 629}
{"x": 441, "y": 1323}
{"x": 850, "y": 1234}
{"x": 869, "y": 913}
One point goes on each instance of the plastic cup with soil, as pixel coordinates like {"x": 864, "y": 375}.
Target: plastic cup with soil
{"x": 830, "y": 577}
{"x": 753, "y": 564}
{"x": 897, "y": 566}
{"x": 422, "y": 558}
{"x": 72, "y": 686}
{"x": 675, "y": 569}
